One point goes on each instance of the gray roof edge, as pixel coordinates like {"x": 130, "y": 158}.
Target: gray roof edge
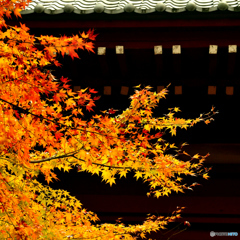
{"x": 136, "y": 6}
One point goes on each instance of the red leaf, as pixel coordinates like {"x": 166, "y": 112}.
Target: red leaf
{"x": 91, "y": 36}
{"x": 91, "y": 90}
{"x": 96, "y": 98}
{"x": 112, "y": 111}
{"x": 187, "y": 223}
{"x": 58, "y": 135}
{"x": 66, "y": 86}
{"x": 64, "y": 80}
{"x": 158, "y": 135}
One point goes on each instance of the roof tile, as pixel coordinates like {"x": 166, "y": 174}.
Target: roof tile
{"x": 138, "y": 6}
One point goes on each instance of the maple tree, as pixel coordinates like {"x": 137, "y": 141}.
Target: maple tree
{"x": 42, "y": 129}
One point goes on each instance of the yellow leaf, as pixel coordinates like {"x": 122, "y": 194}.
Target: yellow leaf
{"x": 106, "y": 175}
{"x": 176, "y": 109}
{"x": 196, "y": 156}
{"x": 147, "y": 127}
{"x": 186, "y": 153}
{"x": 158, "y": 194}
{"x": 84, "y": 90}
{"x": 205, "y": 176}
{"x": 123, "y": 173}
{"x": 138, "y": 175}
{"x": 111, "y": 181}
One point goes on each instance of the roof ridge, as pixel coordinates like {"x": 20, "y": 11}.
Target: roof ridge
{"x": 120, "y": 6}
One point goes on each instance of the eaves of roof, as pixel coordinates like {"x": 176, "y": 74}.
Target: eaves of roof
{"x": 111, "y": 7}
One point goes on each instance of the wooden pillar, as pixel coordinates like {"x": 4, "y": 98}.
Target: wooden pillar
{"x": 121, "y": 57}
{"x": 101, "y": 51}
{"x": 158, "y": 51}
{"x": 213, "y": 49}
{"x": 213, "y": 59}
{"x": 176, "y": 51}
{"x": 177, "y": 62}
{"x": 232, "y": 56}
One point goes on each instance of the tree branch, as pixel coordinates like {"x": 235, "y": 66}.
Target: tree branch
{"x": 54, "y": 157}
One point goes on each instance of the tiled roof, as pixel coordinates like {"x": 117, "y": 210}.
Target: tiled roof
{"x": 119, "y": 6}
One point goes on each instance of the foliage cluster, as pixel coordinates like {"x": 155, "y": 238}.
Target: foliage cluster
{"x": 38, "y": 111}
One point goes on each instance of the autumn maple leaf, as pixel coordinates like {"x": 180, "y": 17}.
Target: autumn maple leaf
{"x": 91, "y": 90}
{"x": 112, "y": 111}
{"x": 91, "y": 34}
{"x": 23, "y": 26}
{"x": 58, "y": 135}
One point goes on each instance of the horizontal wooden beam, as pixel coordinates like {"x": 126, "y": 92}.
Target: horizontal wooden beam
{"x": 128, "y": 23}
